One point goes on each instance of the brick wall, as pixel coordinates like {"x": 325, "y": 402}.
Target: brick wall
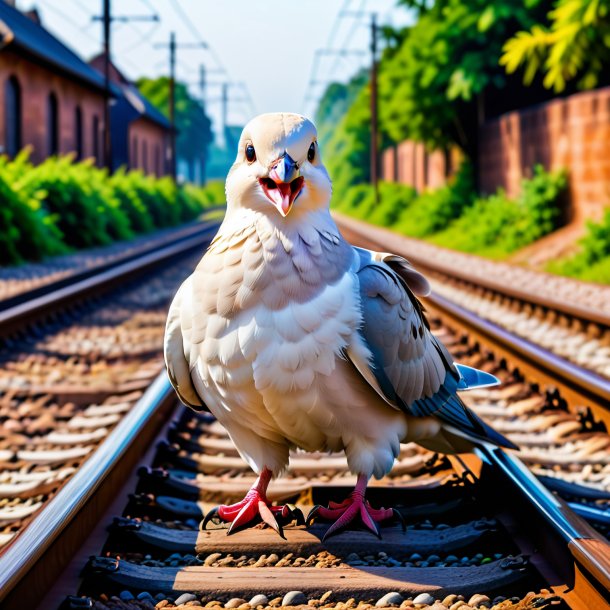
{"x": 410, "y": 163}
{"x": 571, "y": 133}
{"x": 148, "y": 144}
{"x": 36, "y": 83}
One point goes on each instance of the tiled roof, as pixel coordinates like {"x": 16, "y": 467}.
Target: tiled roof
{"x": 17, "y": 30}
{"x": 144, "y": 107}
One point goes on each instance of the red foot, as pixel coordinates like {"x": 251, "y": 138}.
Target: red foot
{"x": 355, "y": 507}
{"x": 252, "y": 509}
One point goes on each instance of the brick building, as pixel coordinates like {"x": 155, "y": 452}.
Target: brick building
{"x": 50, "y": 99}
{"x": 139, "y": 132}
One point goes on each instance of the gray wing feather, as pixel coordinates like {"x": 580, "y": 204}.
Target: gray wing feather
{"x": 413, "y": 370}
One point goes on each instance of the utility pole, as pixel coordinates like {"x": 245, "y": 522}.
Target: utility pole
{"x": 173, "y": 46}
{"x": 203, "y": 148}
{"x": 107, "y": 18}
{"x": 202, "y": 83}
{"x": 374, "y": 131}
{"x": 224, "y": 111}
{"x": 172, "y": 105}
{"x": 107, "y": 139}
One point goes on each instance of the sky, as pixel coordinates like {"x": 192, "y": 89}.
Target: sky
{"x": 267, "y": 45}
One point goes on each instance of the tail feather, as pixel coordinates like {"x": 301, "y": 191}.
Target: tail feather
{"x": 474, "y": 378}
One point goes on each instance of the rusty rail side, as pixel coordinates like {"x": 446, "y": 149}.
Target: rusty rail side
{"x": 375, "y": 234}
{"x": 22, "y": 314}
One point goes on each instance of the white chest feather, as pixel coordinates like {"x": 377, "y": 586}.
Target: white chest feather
{"x": 284, "y": 349}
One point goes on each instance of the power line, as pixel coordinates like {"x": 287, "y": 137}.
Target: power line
{"x": 79, "y": 26}
{"x": 145, "y": 37}
{"x": 195, "y": 33}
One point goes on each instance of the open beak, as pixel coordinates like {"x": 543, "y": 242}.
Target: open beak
{"x": 284, "y": 183}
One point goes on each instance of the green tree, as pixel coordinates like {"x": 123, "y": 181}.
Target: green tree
{"x": 193, "y": 125}
{"x": 432, "y": 86}
{"x": 334, "y": 104}
{"x": 574, "y": 42}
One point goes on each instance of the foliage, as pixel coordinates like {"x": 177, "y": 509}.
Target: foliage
{"x": 575, "y": 43}
{"x": 431, "y": 79}
{"x": 61, "y": 205}
{"x": 334, "y": 103}
{"x": 359, "y": 201}
{"x": 25, "y": 229}
{"x": 193, "y": 125}
{"x": 435, "y": 209}
{"x": 497, "y": 225}
{"x": 84, "y": 214}
{"x": 347, "y": 153}
{"x": 449, "y": 57}
{"x": 213, "y": 193}
{"x": 452, "y": 216}
{"x": 592, "y": 262}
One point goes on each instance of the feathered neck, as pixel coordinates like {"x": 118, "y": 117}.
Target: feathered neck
{"x": 303, "y": 223}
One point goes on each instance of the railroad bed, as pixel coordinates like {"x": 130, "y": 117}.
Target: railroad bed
{"x": 61, "y": 480}
{"x": 471, "y": 531}
{"x": 68, "y": 379}
{"x": 563, "y": 316}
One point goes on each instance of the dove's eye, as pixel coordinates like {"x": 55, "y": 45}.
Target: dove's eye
{"x": 311, "y": 153}
{"x": 250, "y": 153}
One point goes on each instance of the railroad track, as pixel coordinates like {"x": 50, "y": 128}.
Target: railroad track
{"x": 558, "y": 333}
{"x": 478, "y": 530}
{"x": 74, "y": 360}
{"x": 39, "y": 303}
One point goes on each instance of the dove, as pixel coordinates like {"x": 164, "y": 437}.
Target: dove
{"x": 293, "y": 338}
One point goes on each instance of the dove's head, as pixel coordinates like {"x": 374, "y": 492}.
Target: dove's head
{"x": 278, "y": 167}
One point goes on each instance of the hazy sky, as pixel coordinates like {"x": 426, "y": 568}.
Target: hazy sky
{"x": 266, "y": 44}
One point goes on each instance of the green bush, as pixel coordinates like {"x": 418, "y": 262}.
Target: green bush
{"x": 58, "y": 205}
{"x": 452, "y": 216}
{"x": 592, "y": 262}
{"x": 213, "y": 193}
{"x": 497, "y": 226}
{"x": 122, "y": 184}
{"x": 434, "y": 210}
{"x": 359, "y": 201}
{"x": 25, "y": 230}
{"x": 85, "y": 213}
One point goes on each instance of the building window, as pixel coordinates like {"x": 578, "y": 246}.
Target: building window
{"x": 134, "y": 153}
{"x": 145, "y": 156}
{"x": 52, "y": 125}
{"x": 95, "y": 139}
{"x": 12, "y": 105}
{"x": 157, "y": 160}
{"x": 78, "y": 133}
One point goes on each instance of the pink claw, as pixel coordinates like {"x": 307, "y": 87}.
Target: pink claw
{"x": 253, "y": 507}
{"x": 353, "y": 508}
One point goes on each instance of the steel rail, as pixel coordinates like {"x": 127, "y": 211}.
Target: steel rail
{"x": 62, "y": 524}
{"x": 588, "y": 548}
{"x": 81, "y": 274}
{"x": 577, "y": 378}
{"x": 582, "y": 312}
{"x": 580, "y": 381}
{"x": 30, "y": 311}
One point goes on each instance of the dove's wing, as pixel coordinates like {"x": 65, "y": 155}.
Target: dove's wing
{"x": 410, "y": 369}
{"x": 177, "y": 341}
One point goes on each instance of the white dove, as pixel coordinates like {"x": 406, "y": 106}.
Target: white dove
{"x": 292, "y": 337}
